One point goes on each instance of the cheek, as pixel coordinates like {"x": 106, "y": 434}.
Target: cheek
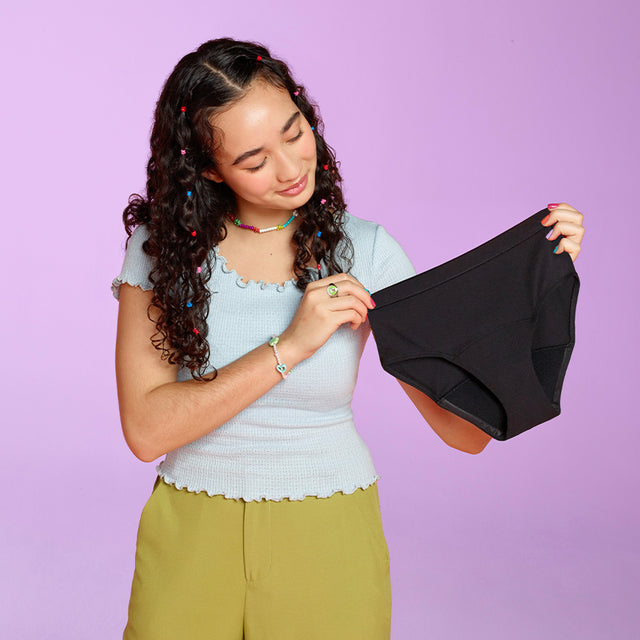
{"x": 250, "y": 184}
{"x": 309, "y": 151}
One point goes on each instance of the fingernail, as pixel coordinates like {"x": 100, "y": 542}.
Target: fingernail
{"x": 556, "y": 249}
{"x": 548, "y": 234}
{"x": 544, "y": 220}
{"x": 553, "y": 205}
{"x": 373, "y": 303}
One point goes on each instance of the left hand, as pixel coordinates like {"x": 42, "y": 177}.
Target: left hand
{"x": 568, "y": 223}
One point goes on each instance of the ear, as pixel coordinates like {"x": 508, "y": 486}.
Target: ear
{"x": 211, "y": 174}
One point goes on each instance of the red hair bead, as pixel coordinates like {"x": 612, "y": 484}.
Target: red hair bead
{"x": 195, "y": 330}
{"x": 259, "y": 58}
{"x": 194, "y": 233}
{"x": 183, "y": 109}
{"x": 326, "y": 166}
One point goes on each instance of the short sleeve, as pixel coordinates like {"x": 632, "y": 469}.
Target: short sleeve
{"x": 137, "y": 264}
{"x": 390, "y": 263}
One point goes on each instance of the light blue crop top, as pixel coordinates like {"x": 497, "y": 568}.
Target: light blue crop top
{"x": 299, "y": 438}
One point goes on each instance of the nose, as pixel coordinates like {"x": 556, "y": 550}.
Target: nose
{"x": 288, "y": 166}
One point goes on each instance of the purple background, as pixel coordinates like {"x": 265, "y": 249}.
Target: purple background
{"x": 453, "y": 121}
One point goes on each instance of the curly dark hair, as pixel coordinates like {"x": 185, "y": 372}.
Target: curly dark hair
{"x": 219, "y": 73}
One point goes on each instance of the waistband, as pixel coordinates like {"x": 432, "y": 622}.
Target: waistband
{"x": 472, "y": 258}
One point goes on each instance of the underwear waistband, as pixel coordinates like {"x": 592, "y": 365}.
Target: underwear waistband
{"x": 468, "y": 260}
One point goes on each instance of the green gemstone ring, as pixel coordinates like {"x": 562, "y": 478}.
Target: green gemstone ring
{"x": 332, "y": 290}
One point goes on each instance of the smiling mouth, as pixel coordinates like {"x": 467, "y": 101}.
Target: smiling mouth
{"x": 296, "y": 188}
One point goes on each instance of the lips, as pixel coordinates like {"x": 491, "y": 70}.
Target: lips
{"x": 295, "y": 189}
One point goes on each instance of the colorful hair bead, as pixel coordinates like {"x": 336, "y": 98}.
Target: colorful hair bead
{"x": 188, "y": 194}
{"x": 195, "y": 330}
{"x": 295, "y": 93}
{"x": 313, "y": 128}
{"x": 194, "y": 233}
{"x": 259, "y": 58}
{"x": 189, "y": 304}
{"x": 183, "y": 109}
{"x": 319, "y": 234}
{"x": 183, "y": 151}
{"x": 323, "y": 201}
{"x": 199, "y": 269}
{"x": 326, "y": 167}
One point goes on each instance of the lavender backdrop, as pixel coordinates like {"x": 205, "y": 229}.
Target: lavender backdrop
{"x": 453, "y": 121}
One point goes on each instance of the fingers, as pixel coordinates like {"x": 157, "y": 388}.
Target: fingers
{"x": 340, "y": 304}
{"x": 563, "y": 212}
{"x": 569, "y": 246}
{"x": 567, "y": 225}
{"x": 350, "y": 305}
{"x": 569, "y": 229}
{"x": 346, "y": 284}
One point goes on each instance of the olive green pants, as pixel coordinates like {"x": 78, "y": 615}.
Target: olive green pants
{"x": 223, "y": 569}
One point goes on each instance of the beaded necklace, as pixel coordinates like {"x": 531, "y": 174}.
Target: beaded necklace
{"x": 278, "y": 227}
{"x": 237, "y": 222}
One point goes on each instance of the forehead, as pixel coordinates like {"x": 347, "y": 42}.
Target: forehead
{"x": 258, "y": 115}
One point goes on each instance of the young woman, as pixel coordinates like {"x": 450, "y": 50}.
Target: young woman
{"x": 244, "y": 296}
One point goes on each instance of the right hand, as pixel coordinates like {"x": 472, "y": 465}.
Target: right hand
{"x": 319, "y": 315}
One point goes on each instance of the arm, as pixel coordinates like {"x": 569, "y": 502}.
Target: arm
{"x": 450, "y": 428}
{"x": 159, "y": 414}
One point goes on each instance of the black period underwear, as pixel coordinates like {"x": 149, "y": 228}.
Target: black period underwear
{"x": 487, "y": 335}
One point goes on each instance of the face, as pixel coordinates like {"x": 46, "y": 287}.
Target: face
{"x": 267, "y": 154}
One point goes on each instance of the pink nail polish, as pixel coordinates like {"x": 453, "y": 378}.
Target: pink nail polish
{"x": 553, "y": 205}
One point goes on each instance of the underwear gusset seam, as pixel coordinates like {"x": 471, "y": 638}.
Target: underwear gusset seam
{"x": 555, "y": 403}
{"x": 465, "y": 345}
{"x": 453, "y": 359}
{"x": 457, "y": 275}
{"x": 448, "y": 357}
{"x": 441, "y": 402}
{"x": 476, "y": 420}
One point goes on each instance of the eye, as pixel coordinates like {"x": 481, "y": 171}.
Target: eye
{"x": 252, "y": 169}
{"x": 297, "y": 137}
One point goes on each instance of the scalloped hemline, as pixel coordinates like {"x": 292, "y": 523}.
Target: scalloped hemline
{"x": 243, "y": 284}
{"x": 117, "y": 282}
{"x": 296, "y": 498}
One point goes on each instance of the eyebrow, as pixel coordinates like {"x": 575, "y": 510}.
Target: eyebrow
{"x": 253, "y": 152}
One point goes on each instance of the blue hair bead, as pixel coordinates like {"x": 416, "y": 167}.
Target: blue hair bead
{"x": 313, "y": 128}
{"x": 189, "y": 304}
{"x": 319, "y": 233}
{"x": 188, "y": 193}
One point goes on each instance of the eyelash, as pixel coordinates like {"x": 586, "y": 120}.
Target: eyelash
{"x": 254, "y": 169}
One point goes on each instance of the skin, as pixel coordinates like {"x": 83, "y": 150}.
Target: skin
{"x": 159, "y": 414}
{"x": 247, "y": 123}
{"x": 256, "y": 122}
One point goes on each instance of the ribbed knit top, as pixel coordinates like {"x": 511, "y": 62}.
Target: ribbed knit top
{"x": 298, "y": 439}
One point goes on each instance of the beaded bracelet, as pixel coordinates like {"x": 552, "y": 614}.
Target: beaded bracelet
{"x": 281, "y": 368}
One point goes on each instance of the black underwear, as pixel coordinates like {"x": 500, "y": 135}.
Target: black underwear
{"x": 487, "y": 335}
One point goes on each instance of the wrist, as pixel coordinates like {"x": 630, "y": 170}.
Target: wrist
{"x": 289, "y": 352}
{"x": 281, "y": 367}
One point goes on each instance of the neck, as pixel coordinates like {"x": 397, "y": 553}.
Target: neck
{"x": 263, "y": 219}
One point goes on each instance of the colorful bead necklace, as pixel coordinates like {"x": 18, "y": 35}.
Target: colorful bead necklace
{"x": 278, "y": 227}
